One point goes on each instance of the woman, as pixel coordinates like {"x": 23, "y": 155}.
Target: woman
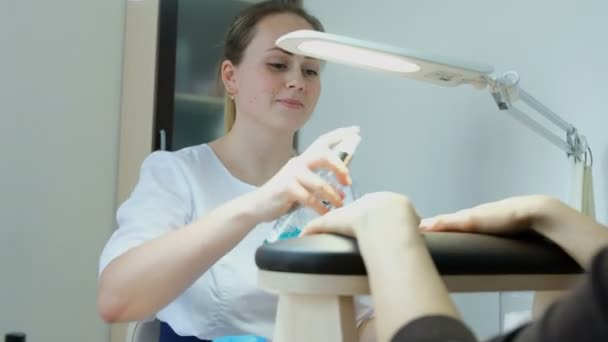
{"x": 184, "y": 250}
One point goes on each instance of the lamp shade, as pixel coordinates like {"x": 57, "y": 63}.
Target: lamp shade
{"x": 376, "y": 56}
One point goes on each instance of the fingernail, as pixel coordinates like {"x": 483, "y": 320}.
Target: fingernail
{"x": 426, "y": 223}
{"x": 425, "y": 228}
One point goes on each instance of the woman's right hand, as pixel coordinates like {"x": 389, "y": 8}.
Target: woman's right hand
{"x": 296, "y": 181}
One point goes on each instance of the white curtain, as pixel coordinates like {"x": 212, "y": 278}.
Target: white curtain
{"x": 581, "y": 185}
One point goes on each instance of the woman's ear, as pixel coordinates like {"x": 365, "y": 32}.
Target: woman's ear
{"x": 227, "y": 71}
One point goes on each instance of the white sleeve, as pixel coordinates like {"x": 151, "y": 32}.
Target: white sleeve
{"x": 160, "y": 202}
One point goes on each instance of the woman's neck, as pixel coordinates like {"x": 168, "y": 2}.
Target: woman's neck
{"x": 253, "y": 155}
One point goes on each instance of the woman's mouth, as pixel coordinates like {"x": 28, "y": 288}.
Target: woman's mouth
{"x": 291, "y": 103}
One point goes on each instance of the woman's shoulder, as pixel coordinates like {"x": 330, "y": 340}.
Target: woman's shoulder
{"x": 186, "y": 158}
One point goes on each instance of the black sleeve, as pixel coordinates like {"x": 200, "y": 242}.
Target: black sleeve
{"x": 580, "y": 317}
{"x": 434, "y": 329}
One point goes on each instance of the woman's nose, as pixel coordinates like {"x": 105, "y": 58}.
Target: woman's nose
{"x": 296, "y": 81}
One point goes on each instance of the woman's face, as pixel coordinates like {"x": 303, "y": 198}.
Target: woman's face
{"x": 272, "y": 87}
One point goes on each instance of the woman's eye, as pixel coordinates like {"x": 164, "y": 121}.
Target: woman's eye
{"x": 312, "y": 72}
{"x": 278, "y": 66}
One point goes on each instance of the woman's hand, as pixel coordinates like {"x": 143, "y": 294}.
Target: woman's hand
{"x": 381, "y": 213}
{"x": 297, "y": 182}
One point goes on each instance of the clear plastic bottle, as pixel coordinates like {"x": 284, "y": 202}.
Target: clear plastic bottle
{"x": 291, "y": 223}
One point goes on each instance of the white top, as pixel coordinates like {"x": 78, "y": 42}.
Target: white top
{"x": 174, "y": 189}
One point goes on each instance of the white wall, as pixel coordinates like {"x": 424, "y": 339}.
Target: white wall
{"x": 60, "y": 68}
{"x": 449, "y": 148}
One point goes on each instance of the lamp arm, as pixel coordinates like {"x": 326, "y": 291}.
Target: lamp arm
{"x": 506, "y": 91}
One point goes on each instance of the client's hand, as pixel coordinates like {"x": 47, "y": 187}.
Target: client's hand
{"x": 579, "y": 235}
{"x": 395, "y": 256}
{"x": 383, "y": 213}
{"x": 507, "y": 216}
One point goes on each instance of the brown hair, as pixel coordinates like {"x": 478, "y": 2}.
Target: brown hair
{"x": 241, "y": 33}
